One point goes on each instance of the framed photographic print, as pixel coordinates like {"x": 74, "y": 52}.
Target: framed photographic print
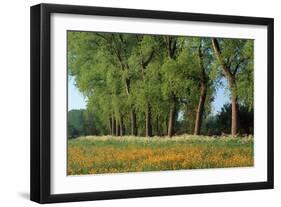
{"x": 133, "y": 103}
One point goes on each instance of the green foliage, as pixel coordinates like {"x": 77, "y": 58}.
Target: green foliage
{"x": 221, "y": 123}
{"x": 238, "y": 55}
{"x": 124, "y": 73}
{"x": 75, "y": 121}
{"x": 84, "y": 122}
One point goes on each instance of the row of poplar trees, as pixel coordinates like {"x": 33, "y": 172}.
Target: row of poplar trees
{"x": 143, "y": 84}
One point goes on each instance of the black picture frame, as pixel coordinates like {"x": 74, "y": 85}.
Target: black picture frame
{"x": 41, "y": 98}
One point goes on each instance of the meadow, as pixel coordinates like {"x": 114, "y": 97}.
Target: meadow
{"x": 109, "y": 154}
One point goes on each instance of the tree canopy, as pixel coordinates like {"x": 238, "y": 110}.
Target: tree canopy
{"x": 156, "y": 84}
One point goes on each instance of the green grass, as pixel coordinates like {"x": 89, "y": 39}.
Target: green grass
{"x": 107, "y": 154}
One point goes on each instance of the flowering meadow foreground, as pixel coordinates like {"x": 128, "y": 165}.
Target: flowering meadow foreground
{"x": 107, "y": 154}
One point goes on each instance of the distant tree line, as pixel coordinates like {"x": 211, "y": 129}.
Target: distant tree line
{"x": 160, "y": 85}
{"x": 79, "y": 125}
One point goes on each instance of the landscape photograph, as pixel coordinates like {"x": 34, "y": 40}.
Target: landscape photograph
{"x": 143, "y": 102}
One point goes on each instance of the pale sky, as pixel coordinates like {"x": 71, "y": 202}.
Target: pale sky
{"x": 75, "y": 99}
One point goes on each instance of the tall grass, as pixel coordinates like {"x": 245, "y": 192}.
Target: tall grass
{"x": 107, "y": 154}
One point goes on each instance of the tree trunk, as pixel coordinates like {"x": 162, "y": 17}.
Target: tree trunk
{"x": 232, "y": 83}
{"x": 157, "y": 126}
{"x": 148, "y": 125}
{"x": 234, "y": 112}
{"x": 200, "y": 108}
{"x": 121, "y": 126}
{"x": 190, "y": 122}
{"x": 117, "y": 128}
{"x": 134, "y": 131}
{"x": 110, "y": 125}
{"x": 167, "y": 126}
{"x": 203, "y": 93}
{"x": 113, "y": 126}
{"x": 172, "y": 117}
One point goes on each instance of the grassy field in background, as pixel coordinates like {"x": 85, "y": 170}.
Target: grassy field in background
{"x": 91, "y": 155}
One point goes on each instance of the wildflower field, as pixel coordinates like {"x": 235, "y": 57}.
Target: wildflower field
{"x": 107, "y": 154}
